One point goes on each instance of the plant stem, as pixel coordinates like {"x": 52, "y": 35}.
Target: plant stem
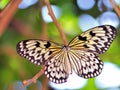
{"x": 50, "y": 12}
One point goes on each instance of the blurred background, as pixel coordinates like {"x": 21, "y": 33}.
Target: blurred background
{"x": 31, "y": 21}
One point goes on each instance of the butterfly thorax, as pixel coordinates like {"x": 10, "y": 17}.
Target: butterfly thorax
{"x": 66, "y": 48}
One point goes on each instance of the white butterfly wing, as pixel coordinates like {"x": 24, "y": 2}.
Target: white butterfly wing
{"x": 85, "y": 64}
{"x": 58, "y": 67}
{"x": 37, "y": 51}
{"x": 96, "y": 40}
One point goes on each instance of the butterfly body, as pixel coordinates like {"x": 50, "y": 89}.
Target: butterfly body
{"x": 79, "y": 56}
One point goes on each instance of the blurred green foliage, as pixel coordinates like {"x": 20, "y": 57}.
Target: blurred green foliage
{"x": 15, "y": 68}
{"x": 3, "y": 3}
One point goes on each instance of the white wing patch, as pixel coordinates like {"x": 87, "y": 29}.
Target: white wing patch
{"x": 96, "y": 40}
{"x": 37, "y": 51}
{"x": 85, "y": 64}
{"x": 55, "y": 71}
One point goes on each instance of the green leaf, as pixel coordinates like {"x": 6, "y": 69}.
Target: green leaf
{"x": 3, "y": 3}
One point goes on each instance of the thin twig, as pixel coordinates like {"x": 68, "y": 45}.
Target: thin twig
{"x": 116, "y": 8}
{"x": 50, "y": 12}
{"x": 33, "y": 80}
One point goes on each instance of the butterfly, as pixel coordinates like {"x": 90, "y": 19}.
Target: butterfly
{"x": 79, "y": 56}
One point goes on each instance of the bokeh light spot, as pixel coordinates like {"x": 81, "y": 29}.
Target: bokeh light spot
{"x": 109, "y": 18}
{"x": 73, "y": 82}
{"x": 108, "y": 4}
{"x": 26, "y": 3}
{"x": 46, "y": 17}
{"x": 100, "y": 5}
{"x": 86, "y": 22}
{"x": 110, "y": 76}
{"x": 85, "y": 4}
{"x": 117, "y": 2}
{"x": 19, "y": 86}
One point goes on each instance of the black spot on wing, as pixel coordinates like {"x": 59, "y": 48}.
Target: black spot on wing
{"x": 24, "y": 43}
{"x": 96, "y": 41}
{"x": 82, "y": 38}
{"x": 85, "y": 46}
{"x": 92, "y": 34}
{"x": 48, "y": 44}
{"x": 50, "y": 52}
{"x": 104, "y": 28}
{"x": 37, "y": 44}
{"x": 23, "y": 46}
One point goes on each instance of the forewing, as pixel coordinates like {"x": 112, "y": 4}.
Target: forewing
{"x": 96, "y": 40}
{"x": 85, "y": 64}
{"x": 37, "y": 51}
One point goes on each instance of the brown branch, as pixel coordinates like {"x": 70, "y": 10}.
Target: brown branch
{"x": 33, "y": 80}
{"x": 7, "y": 14}
{"x": 116, "y": 8}
{"x": 50, "y": 12}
